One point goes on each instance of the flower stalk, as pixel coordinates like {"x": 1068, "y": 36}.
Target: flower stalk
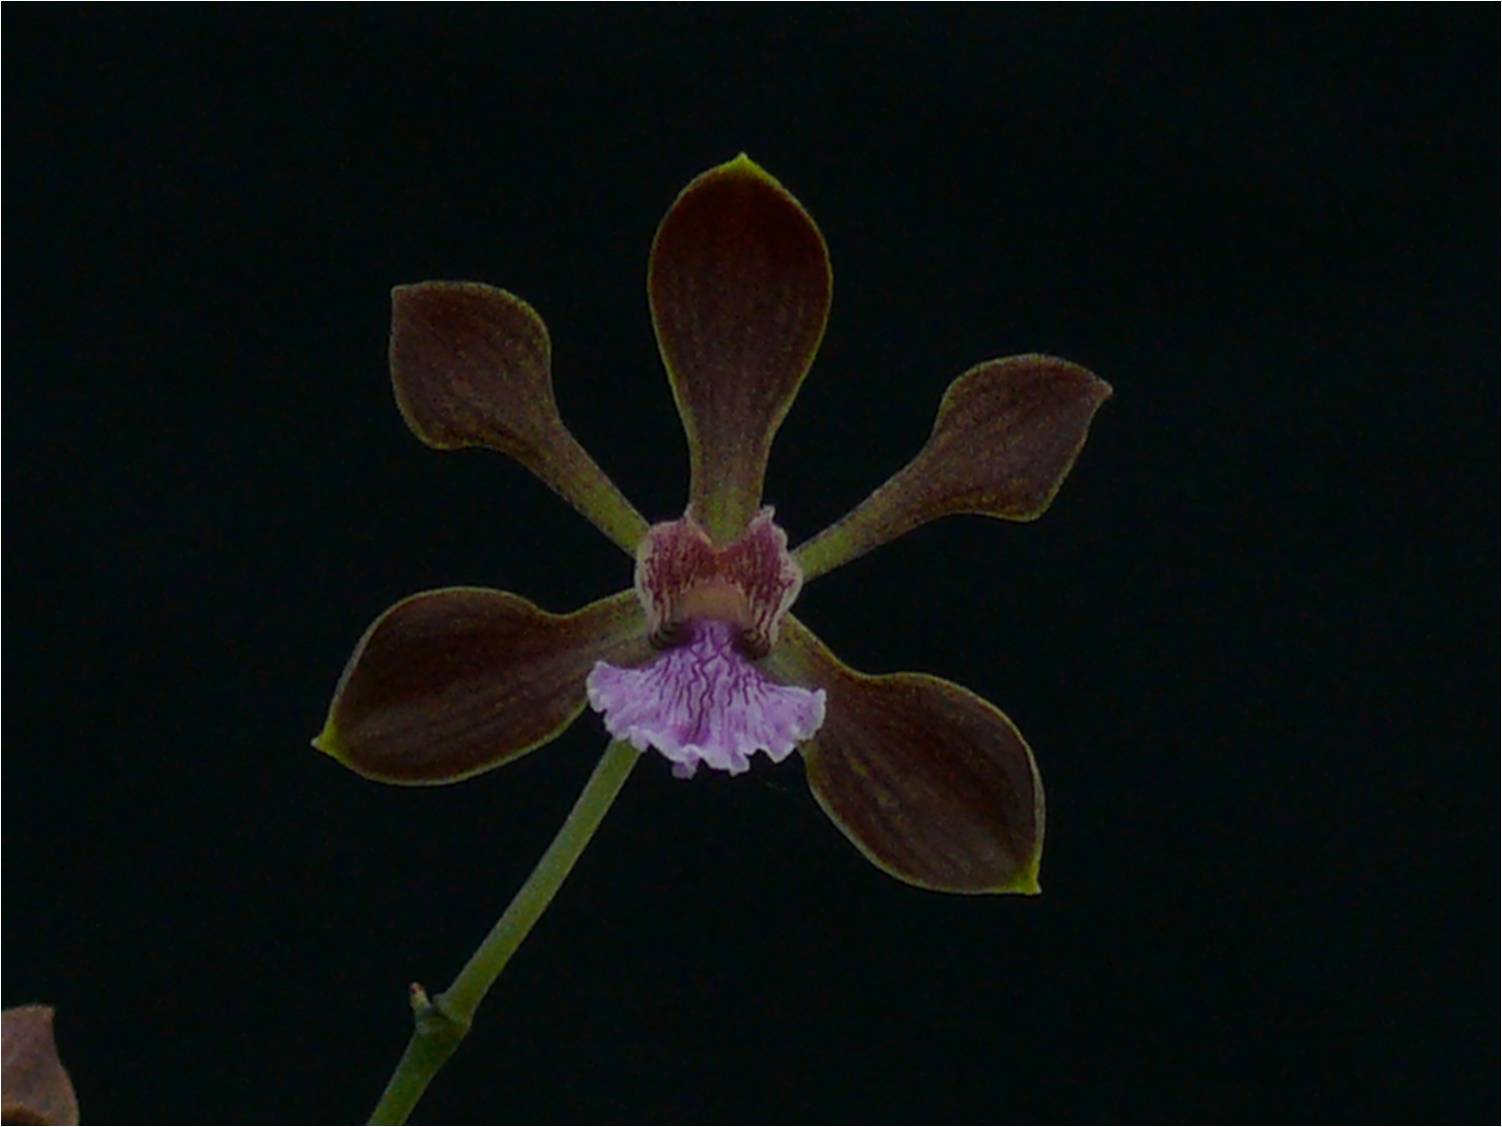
{"x": 440, "y": 1023}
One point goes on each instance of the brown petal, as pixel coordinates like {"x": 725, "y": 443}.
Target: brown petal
{"x": 1007, "y": 433}
{"x": 472, "y": 366}
{"x": 449, "y": 683}
{"x": 739, "y": 283}
{"x": 36, "y": 1085}
{"x": 933, "y": 784}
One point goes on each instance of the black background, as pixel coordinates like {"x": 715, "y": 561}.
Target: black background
{"x": 1252, "y": 643}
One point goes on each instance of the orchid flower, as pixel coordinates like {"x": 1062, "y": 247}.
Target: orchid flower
{"x": 701, "y": 659}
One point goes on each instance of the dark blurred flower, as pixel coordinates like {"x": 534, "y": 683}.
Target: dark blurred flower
{"x": 701, "y": 660}
{"x": 35, "y": 1084}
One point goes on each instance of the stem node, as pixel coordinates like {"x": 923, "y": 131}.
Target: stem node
{"x": 440, "y": 1023}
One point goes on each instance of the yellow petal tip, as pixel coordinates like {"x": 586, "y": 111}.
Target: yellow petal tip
{"x": 743, "y": 165}
{"x": 327, "y": 741}
{"x": 1026, "y": 883}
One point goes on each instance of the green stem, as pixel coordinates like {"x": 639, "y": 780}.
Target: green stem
{"x": 441, "y": 1023}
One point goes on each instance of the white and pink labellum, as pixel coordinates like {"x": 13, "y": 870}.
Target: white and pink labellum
{"x": 705, "y": 701}
{"x": 713, "y": 612}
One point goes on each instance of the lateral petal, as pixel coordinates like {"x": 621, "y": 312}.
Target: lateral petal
{"x": 472, "y": 366}
{"x": 1007, "y": 433}
{"x": 452, "y": 682}
{"x": 933, "y": 784}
